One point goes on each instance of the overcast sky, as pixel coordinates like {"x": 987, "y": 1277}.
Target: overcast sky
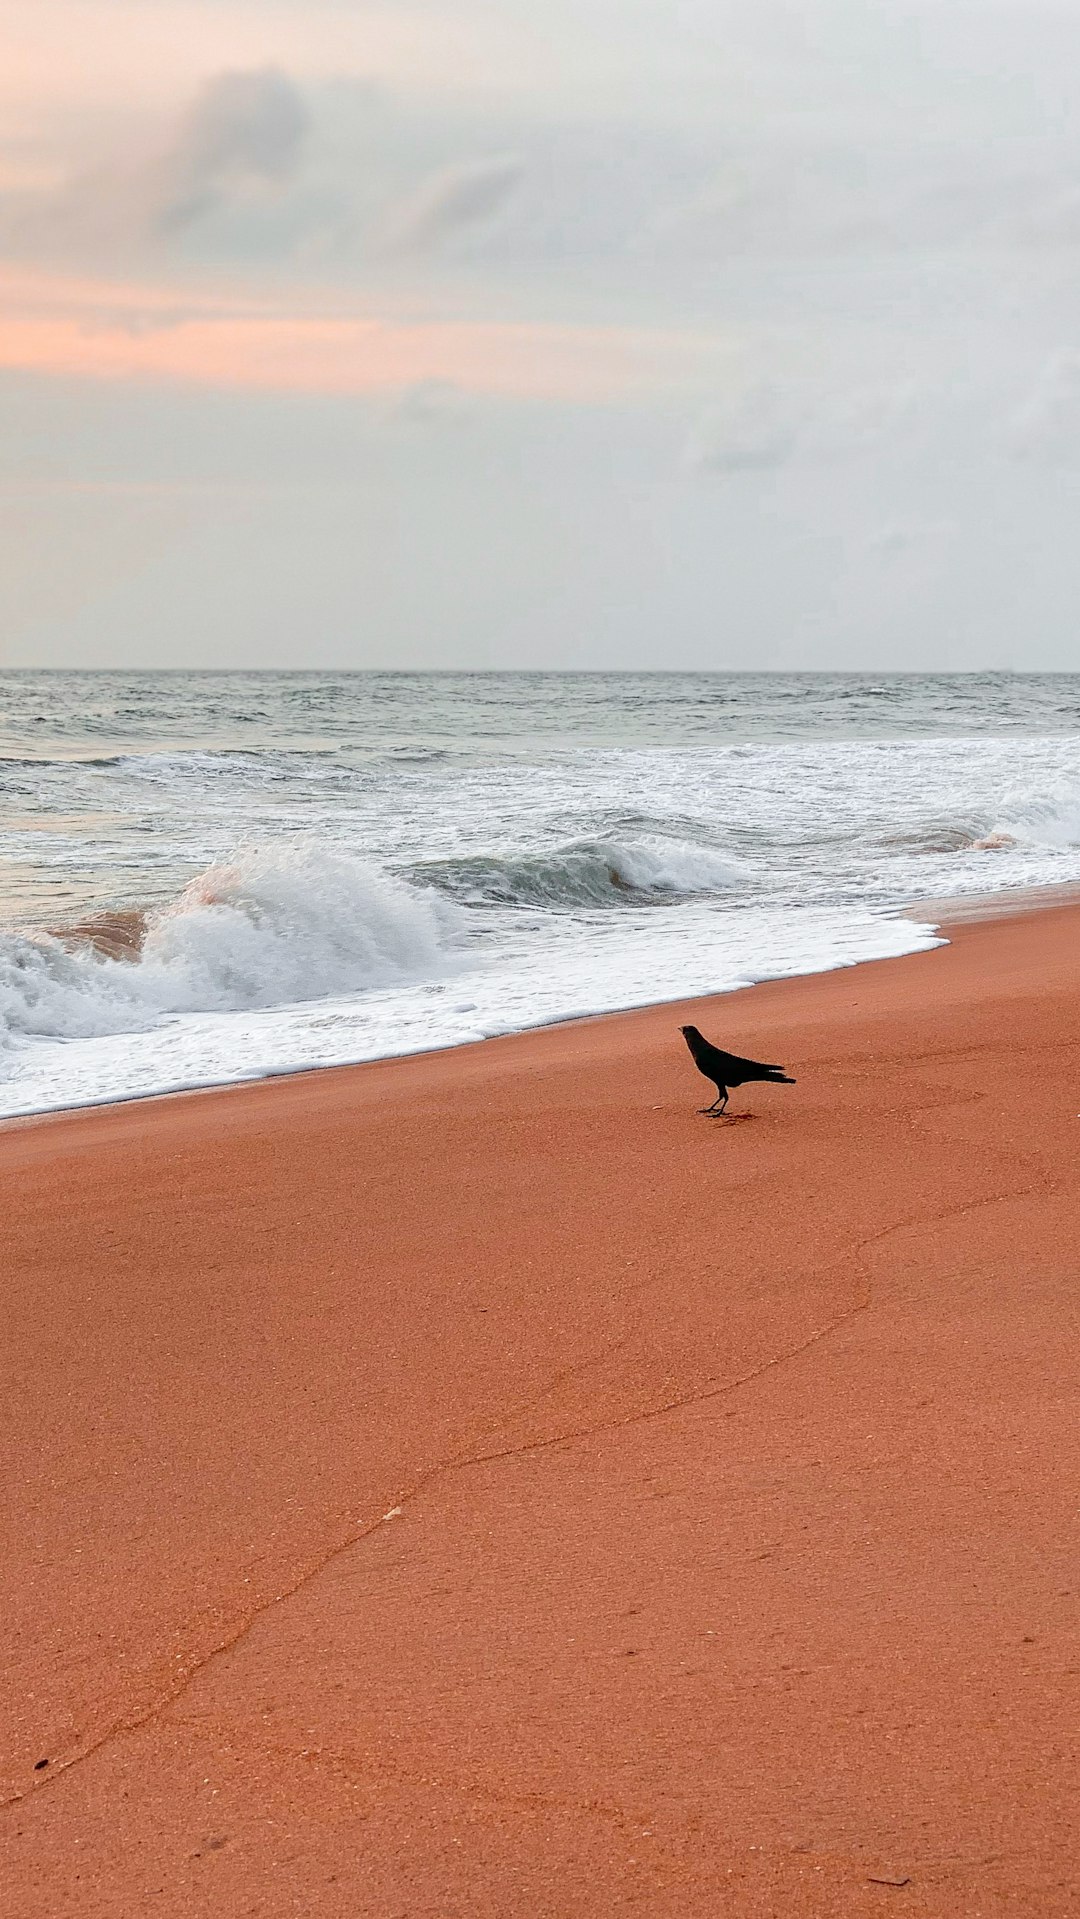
{"x": 613, "y": 333}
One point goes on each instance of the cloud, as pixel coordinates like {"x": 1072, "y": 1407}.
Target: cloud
{"x": 238, "y": 148}
{"x": 432, "y": 403}
{"x": 457, "y": 199}
{"x": 1046, "y": 427}
{"x": 750, "y": 431}
{"x": 243, "y": 130}
{"x": 112, "y": 332}
{"x": 777, "y": 423}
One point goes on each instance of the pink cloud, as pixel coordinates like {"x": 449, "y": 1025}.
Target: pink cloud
{"x": 99, "y": 331}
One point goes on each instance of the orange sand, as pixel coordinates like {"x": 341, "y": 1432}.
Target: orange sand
{"x": 476, "y": 1486}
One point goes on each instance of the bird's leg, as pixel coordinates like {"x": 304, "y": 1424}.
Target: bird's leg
{"x": 711, "y": 1112}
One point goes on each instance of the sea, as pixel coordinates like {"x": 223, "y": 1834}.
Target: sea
{"x": 212, "y": 877}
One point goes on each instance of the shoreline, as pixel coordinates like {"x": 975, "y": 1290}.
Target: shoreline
{"x": 471, "y": 1481}
{"x": 956, "y": 911}
{"x": 960, "y": 909}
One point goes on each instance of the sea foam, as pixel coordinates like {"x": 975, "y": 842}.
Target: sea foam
{"x": 434, "y": 859}
{"x": 588, "y": 873}
{"x": 267, "y": 928}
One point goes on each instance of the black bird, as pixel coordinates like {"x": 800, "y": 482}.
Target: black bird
{"x": 727, "y": 1069}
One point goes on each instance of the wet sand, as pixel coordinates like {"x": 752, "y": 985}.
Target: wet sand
{"x": 476, "y": 1485}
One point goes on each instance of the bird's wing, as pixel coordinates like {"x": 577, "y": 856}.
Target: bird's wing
{"x": 711, "y": 1060}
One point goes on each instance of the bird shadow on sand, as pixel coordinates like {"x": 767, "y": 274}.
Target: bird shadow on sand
{"x": 729, "y": 1119}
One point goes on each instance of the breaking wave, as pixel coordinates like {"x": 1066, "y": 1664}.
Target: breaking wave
{"x": 1043, "y": 822}
{"x": 266, "y": 929}
{"x": 1046, "y": 823}
{"x": 590, "y": 873}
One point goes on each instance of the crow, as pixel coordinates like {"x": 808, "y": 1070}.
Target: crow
{"x": 727, "y": 1069}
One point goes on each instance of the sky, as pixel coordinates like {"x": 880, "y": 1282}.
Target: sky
{"x": 597, "y": 334}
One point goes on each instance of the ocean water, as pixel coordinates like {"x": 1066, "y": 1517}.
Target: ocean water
{"x": 319, "y": 868}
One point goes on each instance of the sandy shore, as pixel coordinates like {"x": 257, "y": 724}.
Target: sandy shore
{"x": 475, "y": 1485}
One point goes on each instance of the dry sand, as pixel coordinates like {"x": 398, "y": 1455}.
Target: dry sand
{"x": 477, "y": 1486}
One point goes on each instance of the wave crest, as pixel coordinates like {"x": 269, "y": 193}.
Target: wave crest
{"x": 589, "y": 873}
{"x": 1020, "y": 821}
{"x": 266, "y": 929}
{"x": 1050, "y": 822}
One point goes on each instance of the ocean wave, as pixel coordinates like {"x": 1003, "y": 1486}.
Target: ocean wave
{"x": 941, "y": 836}
{"x": 162, "y": 759}
{"x": 61, "y": 759}
{"x": 265, "y": 929}
{"x": 589, "y": 873}
{"x": 1041, "y": 823}
{"x": 1049, "y": 822}
{"x": 417, "y": 756}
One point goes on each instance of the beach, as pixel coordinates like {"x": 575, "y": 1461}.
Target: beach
{"x": 473, "y": 1484}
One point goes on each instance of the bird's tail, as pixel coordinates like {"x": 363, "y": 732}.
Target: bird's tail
{"x": 777, "y": 1078}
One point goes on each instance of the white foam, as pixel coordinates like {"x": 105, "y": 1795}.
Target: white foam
{"x": 291, "y": 924}
{"x": 1051, "y": 822}
{"x": 681, "y": 951}
{"x": 588, "y": 873}
{"x": 440, "y": 891}
{"x": 674, "y": 866}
